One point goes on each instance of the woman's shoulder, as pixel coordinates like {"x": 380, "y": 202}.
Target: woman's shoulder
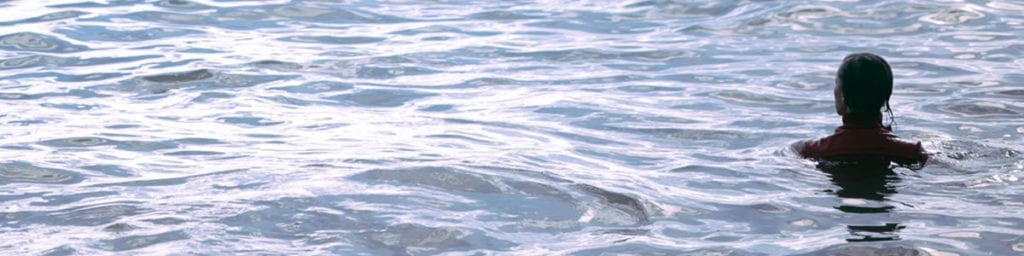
{"x": 863, "y": 142}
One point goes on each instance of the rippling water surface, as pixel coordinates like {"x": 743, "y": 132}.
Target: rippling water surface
{"x": 498, "y": 127}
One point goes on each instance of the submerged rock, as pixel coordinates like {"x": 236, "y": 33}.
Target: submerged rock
{"x": 276, "y": 64}
{"x": 180, "y": 77}
{"x": 629, "y": 205}
{"x": 119, "y": 228}
{"x": 861, "y": 250}
{"x": 201, "y": 79}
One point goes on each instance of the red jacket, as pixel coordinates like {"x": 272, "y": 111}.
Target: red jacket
{"x": 865, "y": 136}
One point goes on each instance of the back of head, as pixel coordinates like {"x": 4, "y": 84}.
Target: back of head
{"x": 866, "y": 83}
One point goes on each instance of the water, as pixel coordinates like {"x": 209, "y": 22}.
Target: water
{"x": 498, "y": 127}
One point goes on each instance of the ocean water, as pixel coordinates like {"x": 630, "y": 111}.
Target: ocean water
{"x": 547, "y": 127}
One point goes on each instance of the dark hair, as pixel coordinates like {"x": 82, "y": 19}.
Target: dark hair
{"x": 866, "y": 81}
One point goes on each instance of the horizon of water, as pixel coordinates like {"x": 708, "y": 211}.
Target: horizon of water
{"x": 546, "y": 127}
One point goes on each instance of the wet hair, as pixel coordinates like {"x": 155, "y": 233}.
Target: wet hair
{"x": 866, "y": 81}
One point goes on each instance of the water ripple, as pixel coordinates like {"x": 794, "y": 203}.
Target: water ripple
{"x": 380, "y": 98}
{"x": 503, "y": 127}
{"x": 28, "y": 41}
{"x": 100, "y": 33}
{"x": 46, "y": 17}
{"x": 141, "y": 241}
{"x": 21, "y": 172}
{"x": 31, "y": 61}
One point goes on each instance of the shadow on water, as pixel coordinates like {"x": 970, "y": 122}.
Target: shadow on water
{"x": 864, "y": 183}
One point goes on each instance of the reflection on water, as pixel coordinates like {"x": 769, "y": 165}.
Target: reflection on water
{"x": 865, "y": 183}
{"x": 869, "y": 178}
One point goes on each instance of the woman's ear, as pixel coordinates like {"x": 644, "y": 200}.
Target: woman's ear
{"x": 840, "y": 103}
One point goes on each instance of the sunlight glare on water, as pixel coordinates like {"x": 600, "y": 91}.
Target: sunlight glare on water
{"x": 644, "y": 127}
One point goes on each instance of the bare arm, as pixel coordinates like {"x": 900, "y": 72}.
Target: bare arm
{"x": 915, "y": 163}
{"x": 798, "y": 147}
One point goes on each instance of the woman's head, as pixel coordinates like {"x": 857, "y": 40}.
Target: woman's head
{"x": 863, "y": 85}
